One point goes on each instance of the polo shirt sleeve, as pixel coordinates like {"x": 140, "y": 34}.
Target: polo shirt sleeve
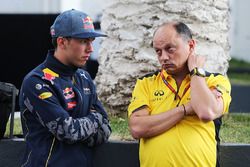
{"x": 222, "y": 84}
{"x": 139, "y": 96}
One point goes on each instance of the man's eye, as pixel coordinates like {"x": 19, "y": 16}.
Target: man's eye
{"x": 158, "y": 52}
{"x": 171, "y": 50}
{"x": 83, "y": 41}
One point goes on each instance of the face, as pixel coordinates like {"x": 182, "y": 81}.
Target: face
{"x": 76, "y": 51}
{"x": 172, "y": 50}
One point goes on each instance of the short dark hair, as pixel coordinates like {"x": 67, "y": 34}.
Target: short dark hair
{"x": 183, "y": 30}
{"x": 54, "y": 42}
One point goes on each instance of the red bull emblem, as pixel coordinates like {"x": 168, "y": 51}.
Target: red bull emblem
{"x": 68, "y": 93}
{"x": 49, "y": 75}
{"x": 71, "y": 105}
{"x": 88, "y": 23}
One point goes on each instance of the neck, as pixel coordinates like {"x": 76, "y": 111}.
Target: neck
{"x": 58, "y": 56}
{"x": 180, "y": 75}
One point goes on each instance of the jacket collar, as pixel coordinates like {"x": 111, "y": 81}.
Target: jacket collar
{"x": 55, "y": 65}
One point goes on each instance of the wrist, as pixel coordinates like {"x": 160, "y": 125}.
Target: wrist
{"x": 184, "y": 110}
{"x": 198, "y": 72}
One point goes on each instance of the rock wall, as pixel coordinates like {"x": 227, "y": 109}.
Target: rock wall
{"x": 126, "y": 53}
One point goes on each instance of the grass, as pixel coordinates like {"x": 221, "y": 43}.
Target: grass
{"x": 235, "y": 63}
{"x": 235, "y": 128}
{"x": 17, "y": 128}
{"x": 239, "y": 78}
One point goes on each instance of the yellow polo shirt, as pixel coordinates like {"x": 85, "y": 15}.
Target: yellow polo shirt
{"x": 191, "y": 142}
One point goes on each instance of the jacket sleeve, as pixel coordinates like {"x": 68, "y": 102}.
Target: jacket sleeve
{"x": 104, "y": 131}
{"x": 40, "y": 99}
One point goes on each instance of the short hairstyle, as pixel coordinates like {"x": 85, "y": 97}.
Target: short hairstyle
{"x": 54, "y": 42}
{"x": 183, "y": 30}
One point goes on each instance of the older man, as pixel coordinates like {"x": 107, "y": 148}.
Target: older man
{"x": 176, "y": 112}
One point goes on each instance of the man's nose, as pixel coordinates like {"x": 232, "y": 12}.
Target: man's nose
{"x": 165, "y": 55}
{"x": 90, "y": 47}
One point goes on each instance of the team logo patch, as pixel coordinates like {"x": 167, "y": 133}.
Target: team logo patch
{"x": 45, "y": 95}
{"x": 159, "y": 93}
{"x": 68, "y": 93}
{"x": 71, "y": 104}
{"x": 86, "y": 91}
{"x": 49, "y": 75}
{"x": 88, "y": 23}
{"x": 39, "y": 86}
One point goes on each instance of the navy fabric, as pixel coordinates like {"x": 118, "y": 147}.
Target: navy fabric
{"x": 61, "y": 116}
{"x": 74, "y": 23}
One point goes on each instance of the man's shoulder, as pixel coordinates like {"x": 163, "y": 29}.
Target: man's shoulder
{"x": 215, "y": 75}
{"x": 218, "y": 79}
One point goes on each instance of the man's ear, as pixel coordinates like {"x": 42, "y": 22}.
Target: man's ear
{"x": 192, "y": 45}
{"x": 60, "y": 42}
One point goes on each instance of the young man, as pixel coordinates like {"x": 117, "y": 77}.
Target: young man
{"x": 62, "y": 117}
{"x": 176, "y": 112}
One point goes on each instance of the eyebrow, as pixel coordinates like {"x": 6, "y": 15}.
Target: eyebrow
{"x": 168, "y": 45}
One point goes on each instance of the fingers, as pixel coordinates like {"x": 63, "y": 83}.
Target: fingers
{"x": 216, "y": 93}
{"x": 189, "y": 109}
{"x": 195, "y": 61}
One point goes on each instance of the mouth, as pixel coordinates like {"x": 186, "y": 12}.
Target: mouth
{"x": 85, "y": 58}
{"x": 166, "y": 66}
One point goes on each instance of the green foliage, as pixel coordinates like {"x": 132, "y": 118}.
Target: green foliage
{"x": 235, "y": 128}
{"x": 120, "y": 130}
{"x": 239, "y": 79}
{"x": 17, "y": 128}
{"x": 236, "y": 77}
{"x": 235, "y": 63}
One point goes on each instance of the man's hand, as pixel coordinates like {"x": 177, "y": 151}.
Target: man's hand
{"x": 195, "y": 61}
{"x": 189, "y": 109}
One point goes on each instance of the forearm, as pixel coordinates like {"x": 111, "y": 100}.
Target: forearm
{"x": 203, "y": 101}
{"x": 73, "y": 130}
{"x": 101, "y": 136}
{"x": 145, "y": 126}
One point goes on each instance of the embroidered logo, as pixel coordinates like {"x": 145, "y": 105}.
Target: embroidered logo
{"x": 45, "y": 95}
{"x": 68, "y": 93}
{"x": 159, "y": 93}
{"x": 86, "y": 91}
{"x": 71, "y": 104}
{"x": 49, "y": 75}
{"x": 88, "y": 23}
{"x": 38, "y": 86}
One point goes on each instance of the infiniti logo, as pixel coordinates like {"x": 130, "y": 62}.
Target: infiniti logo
{"x": 159, "y": 93}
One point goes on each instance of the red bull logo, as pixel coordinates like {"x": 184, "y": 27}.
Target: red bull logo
{"x": 88, "y": 23}
{"x": 68, "y": 93}
{"x": 71, "y": 105}
{"x": 49, "y": 75}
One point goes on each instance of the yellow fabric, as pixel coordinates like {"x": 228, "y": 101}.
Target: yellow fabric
{"x": 191, "y": 142}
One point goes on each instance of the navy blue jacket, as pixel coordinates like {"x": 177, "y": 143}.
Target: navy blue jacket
{"x": 62, "y": 118}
